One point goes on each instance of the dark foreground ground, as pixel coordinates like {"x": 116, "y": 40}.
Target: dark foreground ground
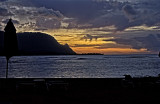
{"x": 80, "y": 91}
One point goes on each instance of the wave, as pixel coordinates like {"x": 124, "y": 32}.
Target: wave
{"x": 82, "y": 58}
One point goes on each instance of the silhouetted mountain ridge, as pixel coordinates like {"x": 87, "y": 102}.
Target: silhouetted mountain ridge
{"x": 36, "y": 43}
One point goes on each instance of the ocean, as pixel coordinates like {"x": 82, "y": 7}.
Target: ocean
{"x": 81, "y": 66}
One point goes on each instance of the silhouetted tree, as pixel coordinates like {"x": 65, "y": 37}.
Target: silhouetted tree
{"x": 10, "y": 42}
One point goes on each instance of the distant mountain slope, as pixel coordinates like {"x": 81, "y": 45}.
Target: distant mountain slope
{"x": 38, "y": 44}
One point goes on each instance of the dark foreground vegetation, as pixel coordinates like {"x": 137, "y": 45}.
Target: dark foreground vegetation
{"x": 80, "y": 91}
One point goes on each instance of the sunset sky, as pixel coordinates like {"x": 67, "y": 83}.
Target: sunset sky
{"x": 90, "y": 26}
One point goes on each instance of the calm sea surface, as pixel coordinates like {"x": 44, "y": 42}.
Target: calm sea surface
{"x": 81, "y": 66}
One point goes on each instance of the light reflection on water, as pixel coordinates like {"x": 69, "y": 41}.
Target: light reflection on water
{"x": 81, "y": 66}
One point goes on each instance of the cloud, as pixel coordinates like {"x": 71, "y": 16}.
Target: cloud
{"x": 150, "y": 42}
{"x": 93, "y": 14}
{"x": 5, "y": 12}
{"x": 129, "y": 12}
{"x": 128, "y": 9}
{"x": 43, "y": 18}
{"x": 122, "y": 15}
{"x": 86, "y": 45}
{"x": 47, "y": 23}
{"x": 89, "y": 37}
{"x": 2, "y": 0}
{"x": 118, "y": 20}
{"x": 83, "y": 13}
{"x": 14, "y": 21}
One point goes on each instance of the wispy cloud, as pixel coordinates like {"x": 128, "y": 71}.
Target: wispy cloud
{"x": 89, "y": 37}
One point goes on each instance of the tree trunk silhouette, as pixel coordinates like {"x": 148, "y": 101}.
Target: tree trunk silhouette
{"x": 10, "y": 42}
{"x": 7, "y": 68}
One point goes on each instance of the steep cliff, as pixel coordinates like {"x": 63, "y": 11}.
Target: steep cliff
{"x": 38, "y": 44}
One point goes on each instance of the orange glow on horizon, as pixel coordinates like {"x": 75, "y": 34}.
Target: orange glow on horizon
{"x": 80, "y": 50}
{"x": 75, "y": 39}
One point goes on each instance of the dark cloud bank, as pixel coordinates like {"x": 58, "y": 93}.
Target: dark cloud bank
{"x": 38, "y": 44}
{"x": 150, "y": 42}
{"x": 106, "y": 13}
{"x": 86, "y": 13}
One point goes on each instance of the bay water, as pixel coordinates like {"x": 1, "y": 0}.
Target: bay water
{"x": 81, "y": 66}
